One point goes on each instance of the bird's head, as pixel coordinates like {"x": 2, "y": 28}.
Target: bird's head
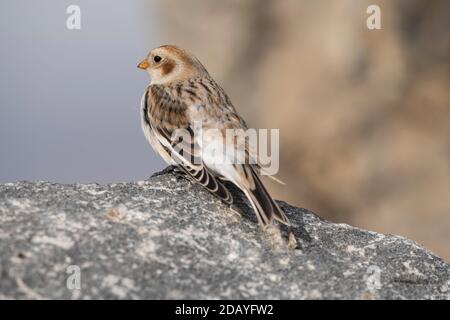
{"x": 169, "y": 63}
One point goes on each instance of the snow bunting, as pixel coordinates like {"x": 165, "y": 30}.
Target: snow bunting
{"x": 182, "y": 97}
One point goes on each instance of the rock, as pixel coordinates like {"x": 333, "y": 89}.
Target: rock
{"x": 166, "y": 238}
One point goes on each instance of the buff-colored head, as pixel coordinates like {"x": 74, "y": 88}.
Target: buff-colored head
{"x": 169, "y": 63}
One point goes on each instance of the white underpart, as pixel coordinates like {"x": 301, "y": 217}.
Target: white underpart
{"x": 216, "y": 154}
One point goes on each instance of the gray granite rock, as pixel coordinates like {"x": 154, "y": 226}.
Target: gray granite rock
{"x": 166, "y": 238}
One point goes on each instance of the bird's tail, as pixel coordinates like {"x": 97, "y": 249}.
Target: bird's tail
{"x": 266, "y": 208}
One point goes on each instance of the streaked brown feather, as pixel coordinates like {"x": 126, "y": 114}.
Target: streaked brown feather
{"x": 166, "y": 115}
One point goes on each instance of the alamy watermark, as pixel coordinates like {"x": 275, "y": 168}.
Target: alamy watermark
{"x": 73, "y": 281}
{"x": 219, "y": 147}
{"x": 373, "y": 278}
{"x": 73, "y": 21}
{"x": 373, "y": 22}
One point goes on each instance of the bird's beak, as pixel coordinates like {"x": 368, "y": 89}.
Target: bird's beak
{"x": 143, "y": 65}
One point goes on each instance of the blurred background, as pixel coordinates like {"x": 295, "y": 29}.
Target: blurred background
{"x": 364, "y": 115}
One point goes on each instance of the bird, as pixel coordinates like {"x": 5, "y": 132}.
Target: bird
{"x": 186, "y": 115}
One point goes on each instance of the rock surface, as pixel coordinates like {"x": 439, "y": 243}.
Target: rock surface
{"x": 166, "y": 238}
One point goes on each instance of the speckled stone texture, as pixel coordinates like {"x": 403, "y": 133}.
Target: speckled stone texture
{"x": 166, "y": 238}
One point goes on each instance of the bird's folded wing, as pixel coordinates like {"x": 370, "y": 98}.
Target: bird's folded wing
{"x": 185, "y": 152}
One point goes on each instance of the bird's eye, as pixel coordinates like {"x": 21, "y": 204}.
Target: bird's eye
{"x": 157, "y": 59}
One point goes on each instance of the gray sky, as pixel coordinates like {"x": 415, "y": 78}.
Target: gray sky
{"x": 69, "y": 100}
